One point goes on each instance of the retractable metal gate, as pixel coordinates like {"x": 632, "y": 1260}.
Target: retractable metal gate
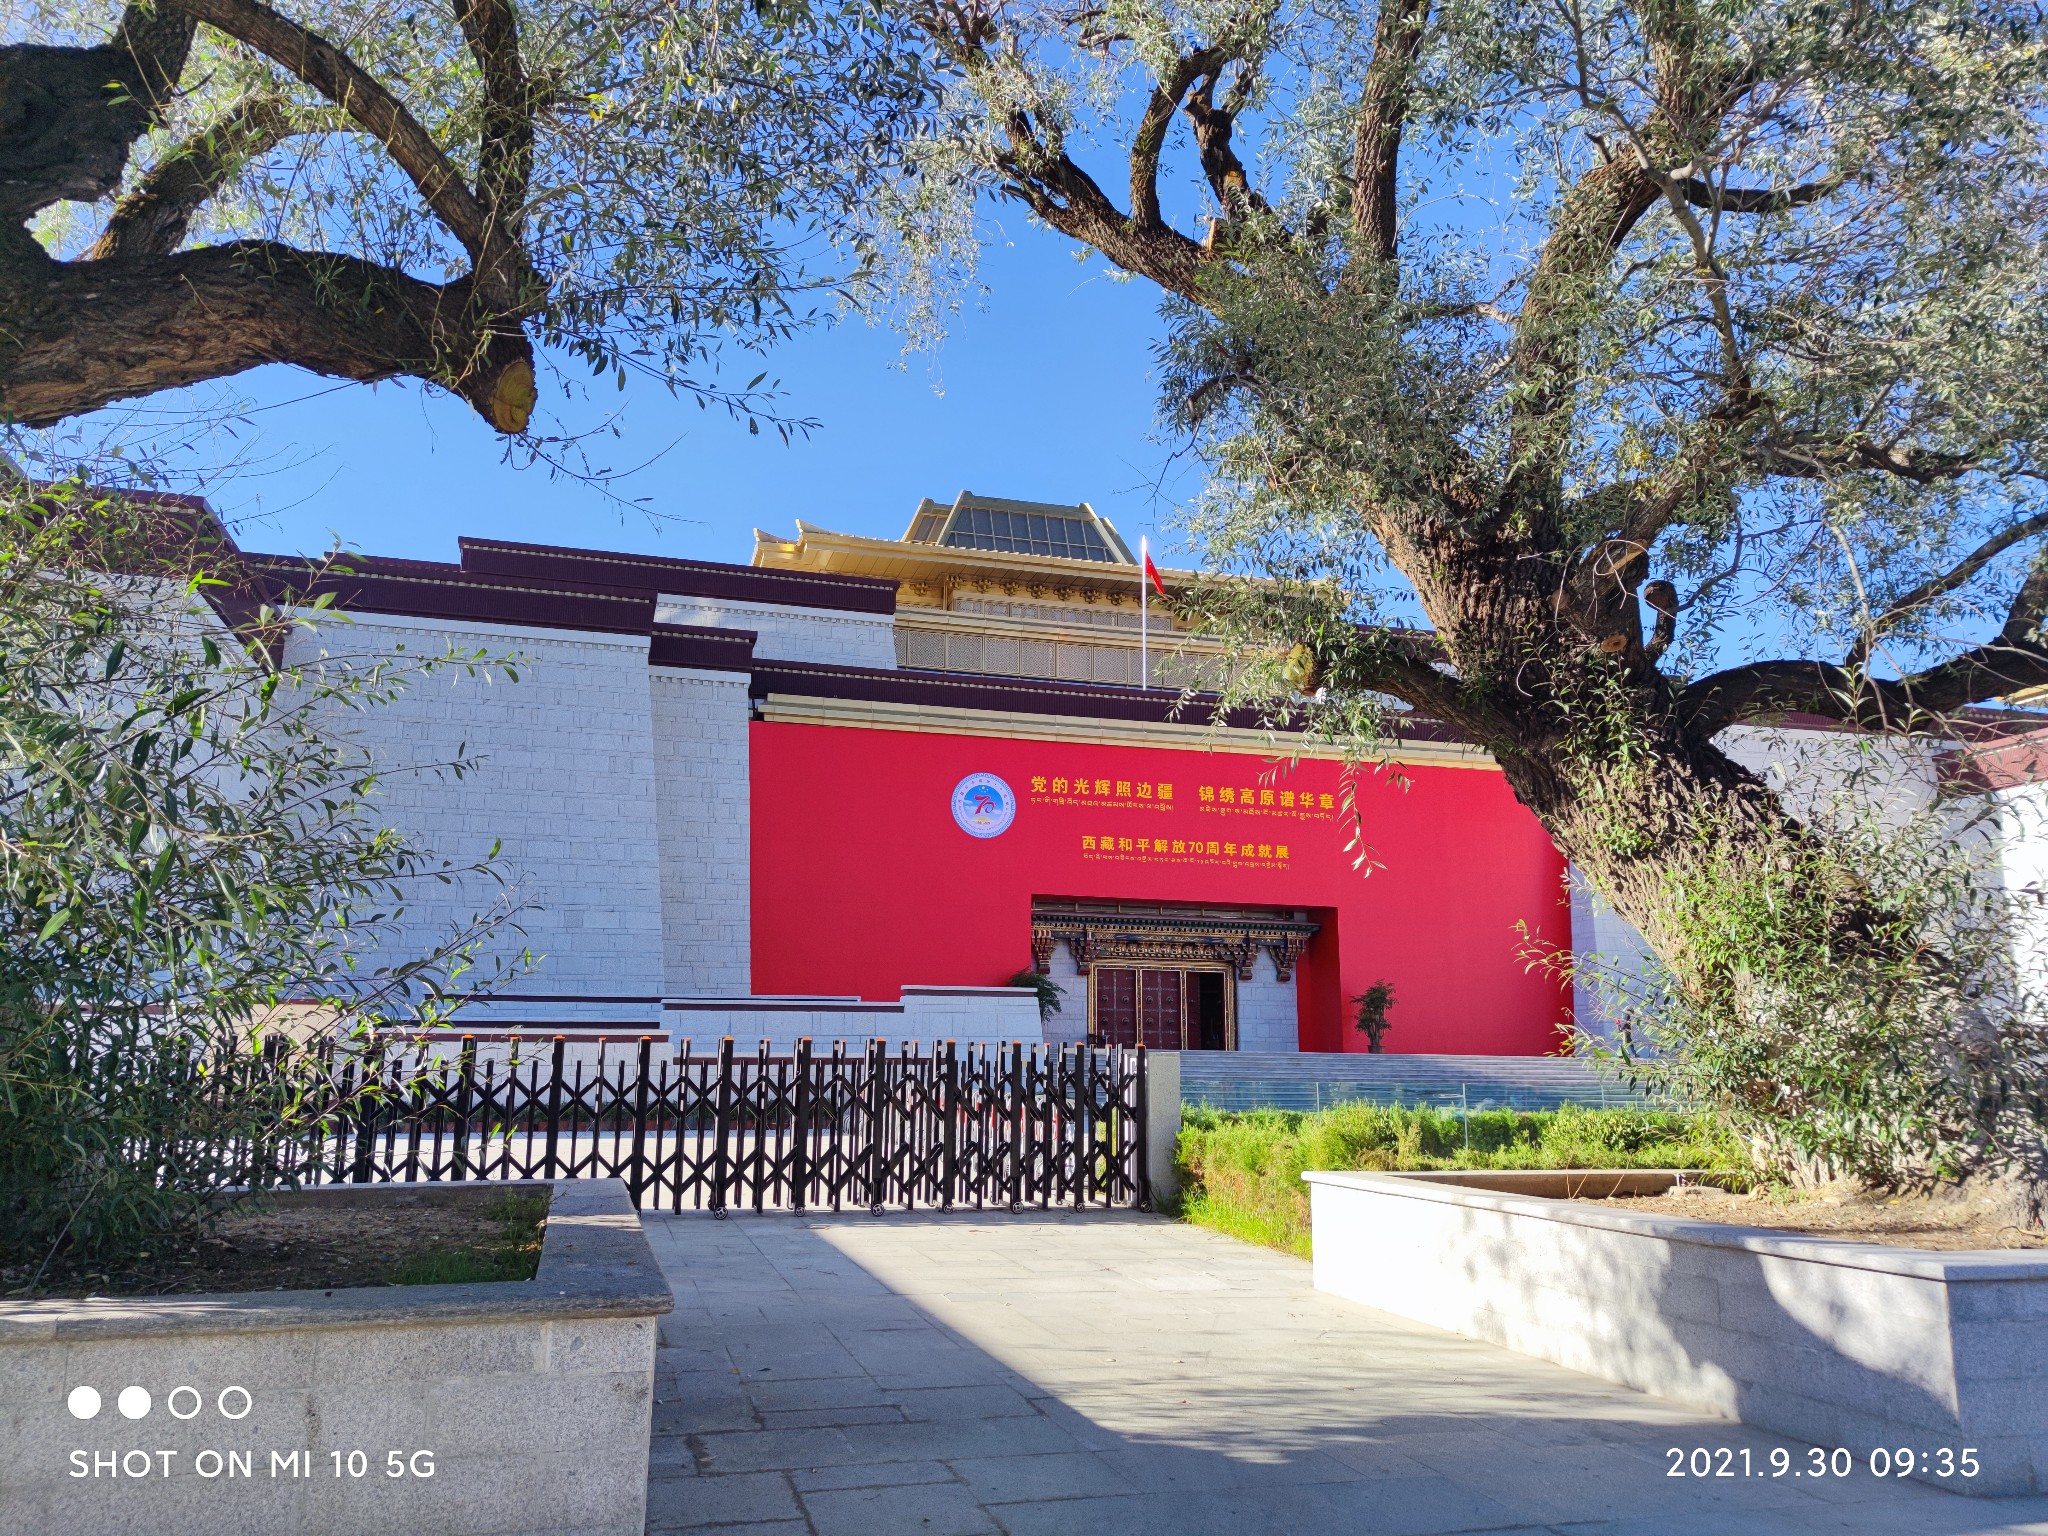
{"x": 1004, "y": 1126}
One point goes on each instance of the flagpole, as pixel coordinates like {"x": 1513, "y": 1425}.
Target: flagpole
{"x": 1144, "y": 614}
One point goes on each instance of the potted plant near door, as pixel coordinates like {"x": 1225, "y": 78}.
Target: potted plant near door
{"x": 1373, "y": 1004}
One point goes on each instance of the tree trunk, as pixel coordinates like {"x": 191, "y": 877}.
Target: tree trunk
{"x": 1648, "y": 822}
{"x": 1856, "y": 1021}
{"x": 1554, "y": 680}
{"x": 1800, "y": 985}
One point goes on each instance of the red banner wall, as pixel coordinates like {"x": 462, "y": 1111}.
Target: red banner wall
{"x": 862, "y": 880}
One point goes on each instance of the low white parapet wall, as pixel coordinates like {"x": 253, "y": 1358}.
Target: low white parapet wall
{"x": 1835, "y": 1343}
{"x": 493, "y": 1409}
{"x": 966, "y": 1015}
{"x": 605, "y": 1034}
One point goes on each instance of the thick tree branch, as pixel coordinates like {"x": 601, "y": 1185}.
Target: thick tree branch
{"x": 1213, "y": 126}
{"x": 1948, "y": 581}
{"x": 2015, "y": 660}
{"x": 342, "y": 81}
{"x": 1765, "y": 690}
{"x": 1661, "y": 597}
{"x": 1382, "y": 114}
{"x": 1571, "y": 276}
{"x": 70, "y": 116}
{"x": 1804, "y": 457}
{"x": 155, "y": 42}
{"x": 1057, "y": 190}
{"x": 1593, "y": 219}
{"x": 1603, "y": 582}
{"x": 1068, "y": 198}
{"x": 151, "y": 220}
{"x": 505, "y": 148}
{"x": 1719, "y": 199}
{"x": 84, "y": 334}
{"x": 1403, "y": 663}
{"x": 1694, "y": 90}
{"x": 1149, "y": 138}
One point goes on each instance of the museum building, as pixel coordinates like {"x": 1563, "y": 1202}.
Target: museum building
{"x": 862, "y": 765}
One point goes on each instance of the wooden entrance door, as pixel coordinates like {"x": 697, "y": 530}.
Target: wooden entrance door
{"x": 1164, "y": 1008}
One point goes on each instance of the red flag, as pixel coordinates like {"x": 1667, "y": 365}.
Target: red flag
{"x": 1152, "y": 574}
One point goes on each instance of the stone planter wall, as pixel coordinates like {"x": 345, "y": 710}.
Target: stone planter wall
{"x": 1835, "y": 1343}
{"x": 470, "y": 1410}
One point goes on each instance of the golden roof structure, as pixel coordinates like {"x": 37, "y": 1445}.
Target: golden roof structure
{"x": 1019, "y": 588}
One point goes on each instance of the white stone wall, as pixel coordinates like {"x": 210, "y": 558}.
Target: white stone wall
{"x": 534, "y": 1399}
{"x": 792, "y": 634}
{"x": 1609, "y": 954}
{"x": 1267, "y": 1018}
{"x": 1070, "y": 1025}
{"x": 1811, "y": 772}
{"x": 563, "y": 779}
{"x": 926, "y": 1015}
{"x": 1834, "y": 1343}
{"x": 2011, "y": 825}
{"x": 702, "y": 814}
{"x": 985, "y": 1014}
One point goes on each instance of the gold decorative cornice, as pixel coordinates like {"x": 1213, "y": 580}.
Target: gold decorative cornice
{"x": 1096, "y": 937}
{"x": 847, "y": 554}
{"x": 1017, "y": 627}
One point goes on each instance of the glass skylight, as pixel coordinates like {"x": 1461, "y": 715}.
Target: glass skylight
{"x": 1027, "y": 533}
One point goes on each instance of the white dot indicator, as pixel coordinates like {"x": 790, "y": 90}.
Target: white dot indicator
{"x": 83, "y": 1402}
{"x": 133, "y": 1402}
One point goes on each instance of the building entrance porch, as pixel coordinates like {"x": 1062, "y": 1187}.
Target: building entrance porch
{"x": 1170, "y": 976}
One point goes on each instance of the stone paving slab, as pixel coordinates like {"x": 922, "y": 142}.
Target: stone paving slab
{"x": 957, "y": 1375}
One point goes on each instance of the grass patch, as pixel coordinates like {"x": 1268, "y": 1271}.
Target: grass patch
{"x": 1242, "y": 1172}
{"x": 513, "y": 1255}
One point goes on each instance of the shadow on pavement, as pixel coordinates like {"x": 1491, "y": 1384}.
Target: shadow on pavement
{"x": 959, "y": 1374}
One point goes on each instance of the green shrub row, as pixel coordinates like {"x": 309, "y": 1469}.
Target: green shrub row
{"x": 1242, "y": 1171}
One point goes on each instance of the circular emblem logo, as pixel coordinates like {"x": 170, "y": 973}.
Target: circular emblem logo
{"x": 983, "y": 805}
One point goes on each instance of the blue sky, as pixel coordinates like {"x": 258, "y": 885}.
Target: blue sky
{"x": 1044, "y": 393}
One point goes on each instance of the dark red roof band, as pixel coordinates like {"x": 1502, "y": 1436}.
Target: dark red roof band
{"x": 707, "y": 650}
{"x": 683, "y": 578}
{"x": 420, "y": 589}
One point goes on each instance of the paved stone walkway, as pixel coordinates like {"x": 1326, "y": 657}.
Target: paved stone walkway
{"x": 948, "y": 1375}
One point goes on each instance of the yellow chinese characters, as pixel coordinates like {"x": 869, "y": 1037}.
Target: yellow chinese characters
{"x": 1144, "y": 794}
{"x": 1241, "y": 797}
{"x": 1185, "y": 848}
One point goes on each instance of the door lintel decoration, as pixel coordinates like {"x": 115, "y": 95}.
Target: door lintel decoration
{"x": 1169, "y": 937}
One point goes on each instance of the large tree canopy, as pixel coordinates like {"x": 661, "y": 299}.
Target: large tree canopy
{"x": 1687, "y": 361}
{"x": 1547, "y": 299}
{"x": 377, "y": 189}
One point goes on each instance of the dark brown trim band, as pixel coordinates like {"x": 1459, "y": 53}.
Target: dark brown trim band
{"x": 685, "y": 578}
{"x": 708, "y": 650}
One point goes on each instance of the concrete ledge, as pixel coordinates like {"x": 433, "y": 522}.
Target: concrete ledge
{"x": 472, "y": 1410}
{"x": 594, "y": 1262}
{"x": 1837, "y": 1343}
{"x": 1572, "y": 1183}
